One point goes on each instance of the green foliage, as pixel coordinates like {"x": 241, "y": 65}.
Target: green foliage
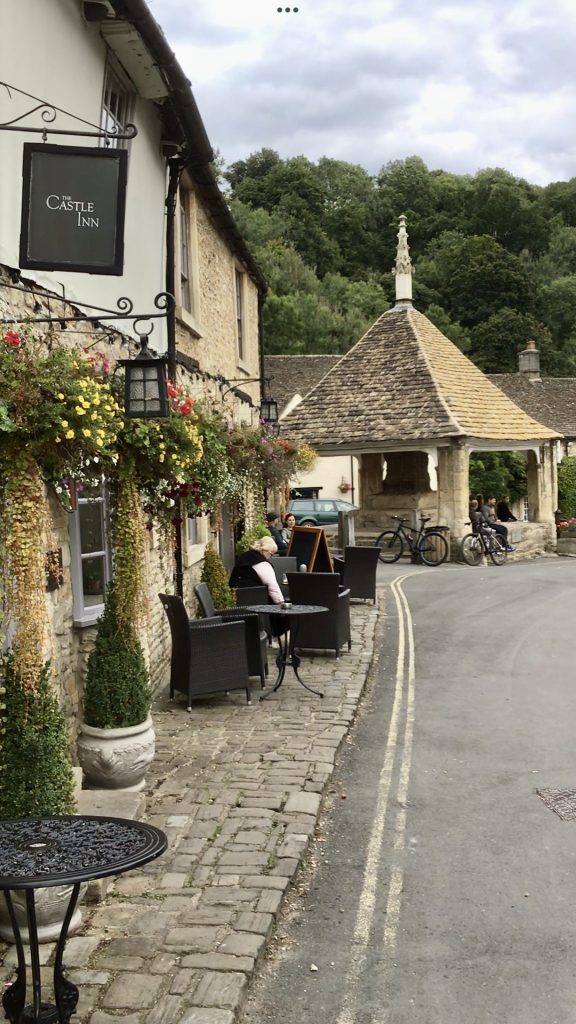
{"x": 498, "y": 473}
{"x": 214, "y": 575}
{"x": 492, "y": 253}
{"x": 567, "y": 486}
{"x": 251, "y": 536}
{"x": 117, "y": 688}
{"x": 35, "y": 764}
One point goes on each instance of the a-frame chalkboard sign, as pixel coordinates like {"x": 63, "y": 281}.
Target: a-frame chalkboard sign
{"x": 308, "y": 545}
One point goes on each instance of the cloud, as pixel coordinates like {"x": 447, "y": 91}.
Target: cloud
{"x": 464, "y": 86}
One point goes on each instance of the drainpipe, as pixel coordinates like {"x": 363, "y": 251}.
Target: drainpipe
{"x": 175, "y": 169}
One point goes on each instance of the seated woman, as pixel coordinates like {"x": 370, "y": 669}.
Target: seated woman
{"x": 287, "y": 527}
{"x": 252, "y": 569}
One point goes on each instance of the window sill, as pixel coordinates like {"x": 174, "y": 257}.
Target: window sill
{"x": 88, "y": 621}
{"x": 188, "y": 320}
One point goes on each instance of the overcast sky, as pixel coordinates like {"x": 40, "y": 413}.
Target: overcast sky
{"x": 464, "y": 84}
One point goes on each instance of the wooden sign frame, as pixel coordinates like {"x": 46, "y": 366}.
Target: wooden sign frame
{"x": 310, "y": 547}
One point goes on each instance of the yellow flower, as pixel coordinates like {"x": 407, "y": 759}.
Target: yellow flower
{"x": 80, "y": 411}
{"x": 58, "y": 440}
{"x": 86, "y": 432}
{"x": 161, "y": 457}
{"x": 69, "y": 435}
{"x": 96, "y": 400}
{"x": 63, "y": 424}
{"x": 60, "y": 396}
{"x": 94, "y": 416}
{"x": 99, "y": 442}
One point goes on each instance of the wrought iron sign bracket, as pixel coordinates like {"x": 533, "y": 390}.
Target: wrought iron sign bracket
{"x": 48, "y": 113}
{"x": 164, "y": 302}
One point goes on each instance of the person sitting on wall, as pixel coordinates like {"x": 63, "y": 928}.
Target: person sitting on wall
{"x": 252, "y": 569}
{"x": 491, "y": 520}
{"x": 504, "y": 512}
{"x": 273, "y": 524}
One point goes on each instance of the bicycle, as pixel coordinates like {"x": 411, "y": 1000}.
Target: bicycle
{"x": 428, "y": 543}
{"x": 481, "y": 542}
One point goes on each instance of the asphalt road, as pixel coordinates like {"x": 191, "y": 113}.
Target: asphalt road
{"x": 441, "y": 888}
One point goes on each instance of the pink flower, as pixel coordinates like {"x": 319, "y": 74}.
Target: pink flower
{"x": 12, "y": 338}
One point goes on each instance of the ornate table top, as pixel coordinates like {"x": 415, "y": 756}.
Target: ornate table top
{"x": 281, "y": 609}
{"x": 73, "y": 848}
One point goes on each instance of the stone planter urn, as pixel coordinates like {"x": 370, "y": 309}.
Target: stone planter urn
{"x": 116, "y": 758}
{"x": 51, "y": 906}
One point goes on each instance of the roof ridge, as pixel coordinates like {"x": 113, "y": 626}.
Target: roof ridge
{"x": 440, "y": 396}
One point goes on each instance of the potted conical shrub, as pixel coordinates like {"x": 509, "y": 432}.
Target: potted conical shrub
{"x": 116, "y": 742}
{"x": 36, "y": 780}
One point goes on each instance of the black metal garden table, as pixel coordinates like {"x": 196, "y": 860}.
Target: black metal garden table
{"x": 67, "y": 850}
{"x": 286, "y": 643}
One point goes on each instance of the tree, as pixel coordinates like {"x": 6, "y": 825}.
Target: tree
{"x": 498, "y": 473}
{"x": 497, "y": 342}
{"x": 504, "y": 207}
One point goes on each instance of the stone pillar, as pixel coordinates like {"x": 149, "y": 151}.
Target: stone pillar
{"x": 454, "y": 488}
{"x": 542, "y": 485}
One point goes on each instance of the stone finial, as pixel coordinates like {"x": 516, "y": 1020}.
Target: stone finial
{"x": 403, "y": 269}
{"x": 529, "y": 361}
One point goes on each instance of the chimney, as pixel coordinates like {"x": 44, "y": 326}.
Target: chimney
{"x": 529, "y": 361}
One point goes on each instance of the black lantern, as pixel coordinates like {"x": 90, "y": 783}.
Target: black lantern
{"x": 269, "y": 415}
{"x": 145, "y": 392}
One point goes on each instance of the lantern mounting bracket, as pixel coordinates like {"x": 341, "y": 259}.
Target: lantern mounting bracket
{"x": 48, "y": 113}
{"x": 163, "y": 301}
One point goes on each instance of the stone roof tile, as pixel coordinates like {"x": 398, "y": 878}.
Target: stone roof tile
{"x": 403, "y": 382}
{"x": 551, "y": 400}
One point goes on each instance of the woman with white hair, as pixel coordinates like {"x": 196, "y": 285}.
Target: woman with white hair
{"x": 252, "y": 569}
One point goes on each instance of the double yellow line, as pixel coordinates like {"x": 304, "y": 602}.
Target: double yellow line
{"x": 398, "y": 747}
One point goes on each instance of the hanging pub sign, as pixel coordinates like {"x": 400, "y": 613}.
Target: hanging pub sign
{"x": 73, "y": 205}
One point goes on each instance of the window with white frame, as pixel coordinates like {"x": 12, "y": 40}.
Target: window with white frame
{"x": 117, "y": 104}
{"x": 185, "y": 258}
{"x": 240, "y": 326}
{"x": 90, "y": 567}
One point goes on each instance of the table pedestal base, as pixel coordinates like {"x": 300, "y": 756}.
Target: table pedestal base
{"x": 285, "y": 657}
{"x": 65, "y": 993}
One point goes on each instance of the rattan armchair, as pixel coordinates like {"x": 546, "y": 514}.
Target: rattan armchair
{"x": 358, "y": 571}
{"x": 283, "y": 564}
{"x": 328, "y": 630}
{"x": 208, "y": 655}
{"x": 256, "y": 637}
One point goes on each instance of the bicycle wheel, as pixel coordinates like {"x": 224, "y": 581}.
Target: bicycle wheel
{"x": 471, "y": 549}
{"x": 390, "y": 546}
{"x": 433, "y": 548}
{"x": 497, "y": 549}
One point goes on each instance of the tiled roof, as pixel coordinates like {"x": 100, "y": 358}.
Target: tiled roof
{"x": 551, "y": 400}
{"x": 295, "y": 375}
{"x": 404, "y": 382}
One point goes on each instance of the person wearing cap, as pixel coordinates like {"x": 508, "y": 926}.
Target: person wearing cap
{"x": 273, "y": 524}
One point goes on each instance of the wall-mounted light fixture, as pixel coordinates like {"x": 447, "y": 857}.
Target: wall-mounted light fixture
{"x": 145, "y": 391}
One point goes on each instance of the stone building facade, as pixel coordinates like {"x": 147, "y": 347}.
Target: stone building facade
{"x": 213, "y": 335}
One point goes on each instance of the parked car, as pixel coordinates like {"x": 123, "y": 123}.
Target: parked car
{"x": 319, "y": 511}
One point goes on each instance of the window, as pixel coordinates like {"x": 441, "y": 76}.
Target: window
{"x": 240, "y": 339}
{"x": 89, "y": 556}
{"x": 116, "y": 105}
{"x": 185, "y": 282}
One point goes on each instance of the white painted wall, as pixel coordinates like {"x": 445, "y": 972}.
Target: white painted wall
{"x": 48, "y": 50}
{"x": 328, "y": 473}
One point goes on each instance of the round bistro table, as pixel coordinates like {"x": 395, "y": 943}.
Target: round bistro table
{"x": 286, "y": 656}
{"x": 66, "y": 850}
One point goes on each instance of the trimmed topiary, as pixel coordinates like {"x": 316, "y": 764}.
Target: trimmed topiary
{"x": 215, "y": 577}
{"x": 35, "y": 764}
{"x": 117, "y": 691}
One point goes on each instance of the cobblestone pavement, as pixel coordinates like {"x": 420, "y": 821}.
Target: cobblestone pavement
{"x": 237, "y": 789}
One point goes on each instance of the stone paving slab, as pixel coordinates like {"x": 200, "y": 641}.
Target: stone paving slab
{"x": 238, "y": 789}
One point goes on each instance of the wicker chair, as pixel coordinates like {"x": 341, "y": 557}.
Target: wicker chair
{"x": 256, "y": 638}
{"x": 255, "y": 595}
{"x": 283, "y": 564}
{"x": 328, "y": 630}
{"x": 358, "y": 571}
{"x": 208, "y": 657}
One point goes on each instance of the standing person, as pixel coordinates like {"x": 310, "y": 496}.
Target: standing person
{"x": 504, "y": 512}
{"x": 273, "y": 524}
{"x": 289, "y": 524}
{"x": 491, "y": 519}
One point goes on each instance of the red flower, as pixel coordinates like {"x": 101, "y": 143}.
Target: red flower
{"x": 12, "y": 338}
